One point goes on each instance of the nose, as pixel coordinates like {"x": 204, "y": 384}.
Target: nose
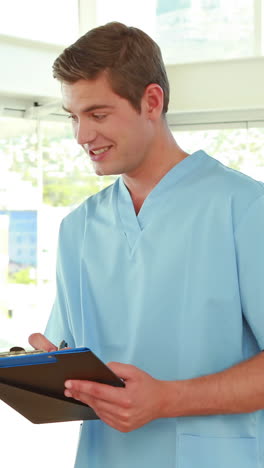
{"x": 84, "y": 133}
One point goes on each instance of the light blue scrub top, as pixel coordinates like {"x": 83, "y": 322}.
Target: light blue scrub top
{"x": 177, "y": 291}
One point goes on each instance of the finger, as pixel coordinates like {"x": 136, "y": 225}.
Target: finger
{"x": 98, "y": 391}
{"x": 114, "y": 416}
{"x": 39, "y": 341}
{"x": 109, "y": 410}
{"x": 102, "y": 407}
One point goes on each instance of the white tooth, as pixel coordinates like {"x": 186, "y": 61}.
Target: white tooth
{"x": 101, "y": 150}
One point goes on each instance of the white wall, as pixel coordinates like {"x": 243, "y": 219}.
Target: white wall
{"x": 229, "y": 84}
{"x": 26, "y": 68}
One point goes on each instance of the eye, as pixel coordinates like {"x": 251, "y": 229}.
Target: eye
{"x": 99, "y": 116}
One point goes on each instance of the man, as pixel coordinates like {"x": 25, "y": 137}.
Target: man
{"x": 160, "y": 273}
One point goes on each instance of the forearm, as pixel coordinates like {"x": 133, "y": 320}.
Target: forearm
{"x": 239, "y": 389}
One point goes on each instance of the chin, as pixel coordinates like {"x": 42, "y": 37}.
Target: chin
{"x": 100, "y": 170}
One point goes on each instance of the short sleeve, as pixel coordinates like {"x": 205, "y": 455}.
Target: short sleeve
{"x": 249, "y": 238}
{"x": 59, "y": 324}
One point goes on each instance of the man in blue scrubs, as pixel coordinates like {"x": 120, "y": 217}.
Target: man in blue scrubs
{"x": 161, "y": 273}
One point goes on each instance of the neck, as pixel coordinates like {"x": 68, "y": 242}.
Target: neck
{"x": 166, "y": 155}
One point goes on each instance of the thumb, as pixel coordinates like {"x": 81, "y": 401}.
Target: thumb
{"x": 39, "y": 341}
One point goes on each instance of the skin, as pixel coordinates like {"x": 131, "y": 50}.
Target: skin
{"x": 239, "y": 389}
{"x": 139, "y": 145}
{"x": 141, "y": 148}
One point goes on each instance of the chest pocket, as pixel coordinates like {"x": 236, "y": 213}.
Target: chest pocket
{"x": 194, "y": 451}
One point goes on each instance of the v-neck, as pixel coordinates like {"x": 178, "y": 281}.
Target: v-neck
{"x": 133, "y": 224}
{"x": 127, "y": 214}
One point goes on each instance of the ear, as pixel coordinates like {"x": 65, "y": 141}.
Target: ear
{"x": 152, "y": 101}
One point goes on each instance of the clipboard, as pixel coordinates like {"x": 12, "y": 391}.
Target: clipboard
{"x": 33, "y": 384}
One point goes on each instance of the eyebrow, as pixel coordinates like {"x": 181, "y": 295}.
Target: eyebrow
{"x": 91, "y": 108}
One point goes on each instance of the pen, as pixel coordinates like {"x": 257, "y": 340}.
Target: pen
{"x": 63, "y": 344}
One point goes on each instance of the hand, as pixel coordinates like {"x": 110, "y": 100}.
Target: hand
{"x": 39, "y": 341}
{"x": 124, "y": 409}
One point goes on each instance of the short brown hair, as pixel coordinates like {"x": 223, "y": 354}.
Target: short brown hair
{"x": 131, "y": 59}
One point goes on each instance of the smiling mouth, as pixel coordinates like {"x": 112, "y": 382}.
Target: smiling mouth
{"x": 99, "y": 153}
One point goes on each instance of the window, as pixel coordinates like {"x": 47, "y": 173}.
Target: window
{"x": 45, "y": 174}
{"x": 193, "y": 30}
{"x": 165, "y": 6}
{"x": 38, "y": 160}
{"x": 207, "y": 30}
{"x": 211, "y": 4}
{"x": 239, "y": 148}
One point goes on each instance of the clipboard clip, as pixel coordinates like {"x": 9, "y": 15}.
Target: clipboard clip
{"x": 19, "y": 351}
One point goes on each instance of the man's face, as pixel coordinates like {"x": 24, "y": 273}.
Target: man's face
{"x": 114, "y": 135}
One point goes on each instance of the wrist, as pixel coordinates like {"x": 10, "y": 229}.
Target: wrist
{"x": 171, "y": 402}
